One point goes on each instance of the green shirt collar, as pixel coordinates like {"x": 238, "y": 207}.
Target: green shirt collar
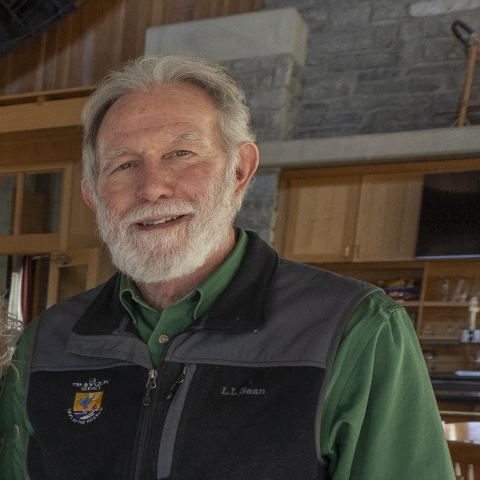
{"x": 178, "y": 316}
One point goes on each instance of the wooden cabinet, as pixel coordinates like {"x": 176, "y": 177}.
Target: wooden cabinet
{"x": 437, "y": 320}
{"x": 43, "y": 220}
{"x": 353, "y": 218}
{"x": 321, "y": 220}
{"x": 35, "y": 205}
{"x": 362, "y": 222}
{"x": 388, "y": 215}
{"x": 75, "y": 271}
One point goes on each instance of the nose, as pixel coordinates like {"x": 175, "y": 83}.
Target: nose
{"x": 155, "y": 182}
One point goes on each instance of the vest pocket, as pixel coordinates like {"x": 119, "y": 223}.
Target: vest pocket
{"x": 177, "y": 396}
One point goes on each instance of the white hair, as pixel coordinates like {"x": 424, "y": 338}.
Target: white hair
{"x": 10, "y": 329}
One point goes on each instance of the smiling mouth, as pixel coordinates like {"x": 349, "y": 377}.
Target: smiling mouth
{"x": 147, "y": 223}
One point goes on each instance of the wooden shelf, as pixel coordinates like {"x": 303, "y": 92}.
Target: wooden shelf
{"x": 446, "y": 304}
{"x": 438, "y": 341}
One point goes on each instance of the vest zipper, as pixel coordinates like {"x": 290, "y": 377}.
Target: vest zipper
{"x": 151, "y": 384}
{"x": 180, "y": 379}
{"x": 148, "y": 412}
{"x": 147, "y": 401}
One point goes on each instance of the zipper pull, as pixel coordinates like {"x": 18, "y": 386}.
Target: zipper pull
{"x": 151, "y": 384}
{"x": 177, "y": 383}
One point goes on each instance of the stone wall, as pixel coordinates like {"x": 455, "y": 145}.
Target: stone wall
{"x": 382, "y": 65}
{"x": 273, "y": 88}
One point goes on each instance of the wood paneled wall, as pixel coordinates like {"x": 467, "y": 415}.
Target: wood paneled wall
{"x": 100, "y": 35}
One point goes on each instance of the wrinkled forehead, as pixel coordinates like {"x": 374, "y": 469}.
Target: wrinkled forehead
{"x": 163, "y": 98}
{"x": 161, "y": 106}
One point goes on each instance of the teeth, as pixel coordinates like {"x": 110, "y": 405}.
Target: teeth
{"x": 158, "y": 222}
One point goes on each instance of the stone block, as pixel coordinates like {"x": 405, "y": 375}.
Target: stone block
{"x": 341, "y": 41}
{"x": 312, "y": 115}
{"x": 332, "y": 87}
{"x": 444, "y": 103}
{"x": 438, "y": 27}
{"x": 441, "y": 68}
{"x": 325, "y": 132}
{"x": 246, "y": 35}
{"x": 266, "y": 183}
{"x": 262, "y": 122}
{"x": 457, "y": 82}
{"x": 412, "y": 38}
{"x": 267, "y": 135}
{"x": 253, "y": 81}
{"x": 388, "y": 86}
{"x": 284, "y": 70}
{"x": 245, "y": 65}
{"x": 258, "y": 210}
{"x": 267, "y": 98}
{"x": 426, "y": 84}
{"x": 342, "y": 13}
{"x": 390, "y": 119}
{"x": 385, "y": 36}
{"x": 314, "y": 16}
{"x": 298, "y": 4}
{"x": 439, "y": 7}
{"x": 317, "y": 70}
{"x": 388, "y": 11}
{"x": 343, "y": 118}
{"x": 443, "y": 49}
{"x": 410, "y": 100}
{"x": 361, "y": 61}
{"x": 378, "y": 74}
{"x": 358, "y": 102}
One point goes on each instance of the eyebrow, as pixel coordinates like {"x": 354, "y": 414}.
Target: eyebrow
{"x": 187, "y": 137}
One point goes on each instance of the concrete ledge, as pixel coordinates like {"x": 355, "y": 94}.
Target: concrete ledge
{"x": 247, "y": 35}
{"x": 455, "y": 142}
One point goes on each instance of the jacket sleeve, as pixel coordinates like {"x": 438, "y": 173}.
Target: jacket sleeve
{"x": 15, "y": 428}
{"x": 380, "y": 418}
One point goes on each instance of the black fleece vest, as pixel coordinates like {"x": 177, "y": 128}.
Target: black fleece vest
{"x": 236, "y": 396}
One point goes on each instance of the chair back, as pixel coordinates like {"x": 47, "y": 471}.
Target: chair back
{"x": 466, "y": 459}
{"x": 463, "y": 431}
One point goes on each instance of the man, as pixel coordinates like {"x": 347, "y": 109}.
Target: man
{"x": 207, "y": 357}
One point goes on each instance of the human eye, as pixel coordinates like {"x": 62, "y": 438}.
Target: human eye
{"x": 124, "y": 166}
{"x": 180, "y": 153}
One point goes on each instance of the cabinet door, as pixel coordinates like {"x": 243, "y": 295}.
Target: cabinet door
{"x": 388, "y": 217}
{"x": 76, "y": 271}
{"x": 321, "y": 219}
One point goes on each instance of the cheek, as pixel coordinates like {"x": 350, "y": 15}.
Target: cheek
{"x": 116, "y": 196}
{"x": 200, "y": 179}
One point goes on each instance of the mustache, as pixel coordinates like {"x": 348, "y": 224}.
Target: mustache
{"x": 172, "y": 208}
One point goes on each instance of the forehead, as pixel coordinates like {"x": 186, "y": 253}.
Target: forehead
{"x": 160, "y": 107}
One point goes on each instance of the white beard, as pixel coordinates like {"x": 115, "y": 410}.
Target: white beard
{"x": 161, "y": 255}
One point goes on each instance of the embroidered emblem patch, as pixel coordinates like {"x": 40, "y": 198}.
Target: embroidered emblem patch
{"x": 87, "y": 404}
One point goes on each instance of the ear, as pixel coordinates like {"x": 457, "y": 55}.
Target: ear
{"x": 247, "y": 165}
{"x": 87, "y": 196}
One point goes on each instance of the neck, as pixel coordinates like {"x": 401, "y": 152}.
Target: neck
{"x": 163, "y": 294}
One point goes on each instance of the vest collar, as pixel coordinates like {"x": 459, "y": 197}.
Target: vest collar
{"x": 241, "y": 307}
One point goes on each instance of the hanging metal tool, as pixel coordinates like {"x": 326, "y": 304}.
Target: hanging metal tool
{"x": 469, "y": 38}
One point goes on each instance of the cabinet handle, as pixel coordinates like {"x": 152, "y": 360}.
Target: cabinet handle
{"x": 347, "y": 251}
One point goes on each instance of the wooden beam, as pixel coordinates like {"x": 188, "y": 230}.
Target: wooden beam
{"x": 41, "y": 115}
{"x": 29, "y": 244}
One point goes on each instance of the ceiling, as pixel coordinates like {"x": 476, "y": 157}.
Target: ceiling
{"x": 21, "y": 20}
